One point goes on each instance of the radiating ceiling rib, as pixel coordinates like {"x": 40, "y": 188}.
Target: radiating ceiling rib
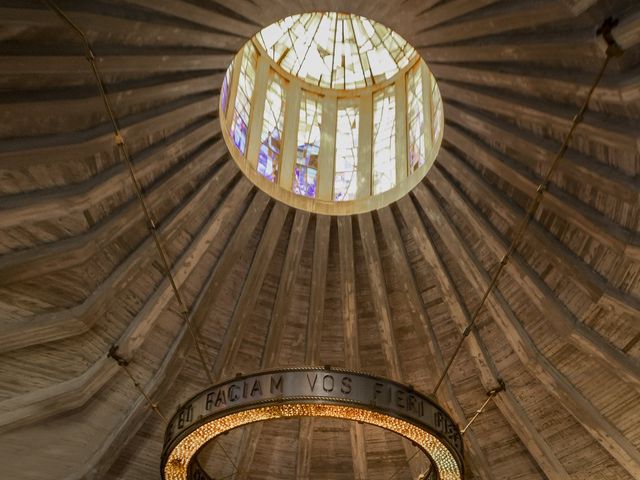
{"x": 178, "y": 352}
{"x": 44, "y": 204}
{"x": 73, "y": 393}
{"x": 384, "y": 317}
{"x": 582, "y": 168}
{"x": 422, "y": 324}
{"x": 452, "y": 9}
{"x": 489, "y": 375}
{"x": 595, "y": 224}
{"x": 600, "y": 292}
{"x": 351, "y": 342}
{"x": 72, "y": 251}
{"x": 595, "y": 127}
{"x": 543, "y": 297}
{"x": 284, "y": 296}
{"x": 610, "y": 438}
{"x": 315, "y": 317}
{"x": 50, "y": 326}
{"x": 506, "y": 17}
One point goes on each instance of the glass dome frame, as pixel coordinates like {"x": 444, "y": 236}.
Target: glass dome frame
{"x": 284, "y": 149}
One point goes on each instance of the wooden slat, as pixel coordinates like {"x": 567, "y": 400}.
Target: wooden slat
{"x": 582, "y": 410}
{"x": 565, "y": 323}
{"x": 488, "y": 372}
{"x": 350, "y": 319}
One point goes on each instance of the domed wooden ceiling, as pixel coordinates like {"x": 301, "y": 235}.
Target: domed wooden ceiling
{"x": 388, "y": 292}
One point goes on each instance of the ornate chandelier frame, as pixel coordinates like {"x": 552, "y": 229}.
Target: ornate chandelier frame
{"x": 312, "y": 392}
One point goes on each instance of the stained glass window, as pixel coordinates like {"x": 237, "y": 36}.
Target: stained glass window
{"x": 242, "y": 107}
{"x": 384, "y": 140}
{"x": 306, "y": 168}
{"x": 415, "y": 119}
{"x": 336, "y": 50}
{"x": 436, "y": 101}
{"x": 346, "y": 172}
{"x": 272, "y": 128}
{"x": 224, "y": 91}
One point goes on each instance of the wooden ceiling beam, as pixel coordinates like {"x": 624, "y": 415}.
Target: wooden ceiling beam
{"x": 489, "y": 375}
{"x": 122, "y": 31}
{"x": 82, "y": 108}
{"x": 72, "y": 251}
{"x": 539, "y": 294}
{"x": 224, "y": 364}
{"x": 79, "y": 319}
{"x": 59, "y": 202}
{"x": 595, "y": 127}
{"x": 444, "y": 12}
{"x": 605, "y": 433}
{"x": 315, "y": 318}
{"x": 65, "y": 396}
{"x": 503, "y": 19}
{"x": 284, "y": 295}
{"x": 562, "y": 204}
{"x": 351, "y": 337}
{"x": 100, "y": 140}
{"x": 598, "y": 290}
{"x": 528, "y": 146}
{"x": 384, "y": 317}
{"x": 164, "y": 377}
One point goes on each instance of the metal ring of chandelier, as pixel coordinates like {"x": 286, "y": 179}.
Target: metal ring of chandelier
{"x": 310, "y": 392}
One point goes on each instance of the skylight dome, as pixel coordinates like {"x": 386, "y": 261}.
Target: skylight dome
{"x": 336, "y": 50}
{"x": 331, "y": 113}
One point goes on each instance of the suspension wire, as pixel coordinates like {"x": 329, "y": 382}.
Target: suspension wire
{"x": 407, "y": 462}
{"x": 120, "y": 142}
{"x": 125, "y": 366}
{"x": 224, "y": 450}
{"x": 490, "y": 394}
{"x": 612, "y": 50}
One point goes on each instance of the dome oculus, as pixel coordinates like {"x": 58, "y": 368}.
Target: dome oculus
{"x": 331, "y": 113}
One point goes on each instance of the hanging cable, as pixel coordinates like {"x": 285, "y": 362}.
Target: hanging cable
{"x": 113, "y": 353}
{"x": 120, "y": 142}
{"x": 612, "y": 50}
{"x": 490, "y": 395}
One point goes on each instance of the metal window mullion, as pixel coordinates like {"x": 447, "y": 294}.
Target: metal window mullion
{"x": 402, "y": 158}
{"x": 428, "y": 113}
{"x": 233, "y": 90}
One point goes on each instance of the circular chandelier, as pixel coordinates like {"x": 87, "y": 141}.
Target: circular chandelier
{"x": 331, "y": 113}
{"x": 310, "y": 392}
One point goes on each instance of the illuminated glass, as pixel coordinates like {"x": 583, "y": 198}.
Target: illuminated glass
{"x": 436, "y": 101}
{"x": 224, "y": 91}
{"x": 415, "y": 114}
{"x": 384, "y": 140}
{"x": 346, "y": 171}
{"x": 306, "y": 168}
{"x": 242, "y": 107}
{"x": 336, "y": 50}
{"x": 272, "y": 128}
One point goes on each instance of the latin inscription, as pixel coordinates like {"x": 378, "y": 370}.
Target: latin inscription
{"x": 317, "y": 384}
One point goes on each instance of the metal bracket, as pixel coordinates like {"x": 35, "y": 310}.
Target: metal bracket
{"x": 113, "y": 353}
{"x": 606, "y": 31}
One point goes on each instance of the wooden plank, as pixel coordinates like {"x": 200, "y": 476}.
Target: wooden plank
{"x": 76, "y": 250}
{"x": 450, "y": 10}
{"x": 313, "y": 334}
{"x": 70, "y": 394}
{"x": 224, "y": 362}
{"x": 284, "y": 296}
{"x": 543, "y": 297}
{"x": 351, "y": 349}
{"x": 422, "y": 325}
{"x": 75, "y": 321}
{"x": 531, "y": 439}
{"x": 172, "y": 363}
{"x": 606, "y": 434}
{"x": 58, "y": 202}
{"x": 563, "y": 258}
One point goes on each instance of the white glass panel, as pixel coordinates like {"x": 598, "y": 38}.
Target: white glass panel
{"x": 384, "y": 140}
{"x": 346, "y": 169}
